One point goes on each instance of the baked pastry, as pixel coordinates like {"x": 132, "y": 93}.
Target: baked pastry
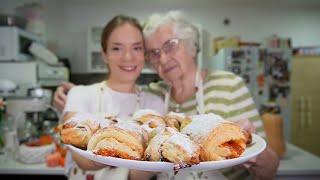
{"x": 219, "y": 139}
{"x": 145, "y": 115}
{"x": 176, "y": 120}
{"x": 150, "y": 121}
{"x": 247, "y": 136}
{"x": 124, "y": 139}
{"x": 172, "y": 146}
{"x": 78, "y": 128}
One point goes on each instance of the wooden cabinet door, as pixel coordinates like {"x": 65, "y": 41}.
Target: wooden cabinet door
{"x": 305, "y": 83}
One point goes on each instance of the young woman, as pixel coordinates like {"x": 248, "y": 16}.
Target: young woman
{"x": 123, "y": 52}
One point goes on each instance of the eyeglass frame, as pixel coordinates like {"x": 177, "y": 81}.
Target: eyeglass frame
{"x": 161, "y": 50}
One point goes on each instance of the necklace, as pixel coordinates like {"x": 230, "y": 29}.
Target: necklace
{"x": 110, "y": 106}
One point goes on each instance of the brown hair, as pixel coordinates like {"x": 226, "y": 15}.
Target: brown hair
{"x": 114, "y": 23}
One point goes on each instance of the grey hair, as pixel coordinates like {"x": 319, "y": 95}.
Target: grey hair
{"x": 182, "y": 27}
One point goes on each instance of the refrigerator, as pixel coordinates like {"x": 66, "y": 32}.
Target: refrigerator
{"x": 266, "y": 72}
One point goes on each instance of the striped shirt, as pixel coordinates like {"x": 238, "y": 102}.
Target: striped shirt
{"x": 225, "y": 94}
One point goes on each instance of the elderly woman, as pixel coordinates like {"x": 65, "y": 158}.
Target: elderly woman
{"x": 171, "y": 47}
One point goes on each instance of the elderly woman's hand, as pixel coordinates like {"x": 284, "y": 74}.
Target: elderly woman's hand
{"x": 264, "y": 166}
{"x": 60, "y": 95}
{"x": 246, "y": 125}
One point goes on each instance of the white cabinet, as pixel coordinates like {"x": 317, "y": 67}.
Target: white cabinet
{"x": 95, "y": 63}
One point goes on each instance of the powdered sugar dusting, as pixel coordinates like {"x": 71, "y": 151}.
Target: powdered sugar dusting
{"x": 202, "y": 125}
{"x": 184, "y": 142}
{"x": 129, "y": 125}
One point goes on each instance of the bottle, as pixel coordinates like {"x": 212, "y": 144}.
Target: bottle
{"x": 273, "y": 125}
{"x": 11, "y": 141}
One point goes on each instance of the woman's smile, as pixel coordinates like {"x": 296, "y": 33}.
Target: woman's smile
{"x": 128, "y": 68}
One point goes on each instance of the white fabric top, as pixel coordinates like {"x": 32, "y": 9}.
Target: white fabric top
{"x": 89, "y": 98}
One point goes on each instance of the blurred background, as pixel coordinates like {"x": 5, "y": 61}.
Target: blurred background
{"x": 274, "y": 45}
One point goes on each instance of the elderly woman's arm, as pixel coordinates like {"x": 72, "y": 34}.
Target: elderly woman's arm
{"x": 265, "y": 165}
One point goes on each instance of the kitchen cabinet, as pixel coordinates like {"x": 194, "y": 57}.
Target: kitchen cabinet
{"x": 306, "y": 103}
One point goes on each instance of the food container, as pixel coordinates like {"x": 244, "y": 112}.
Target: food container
{"x": 273, "y": 125}
{"x": 35, "y": 154}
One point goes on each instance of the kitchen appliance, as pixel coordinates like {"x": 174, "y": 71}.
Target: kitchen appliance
{"x": 33, "y": 73}
{"x": 41, "y": 68}
{"x": 11, "y": 20}
{"x": 21, "y": 73}
{"x": 7, "y": 87}
{"x": 27, "y": 112}
{"x": 266, "y": 72}
{"x": 49, "y": 75}
{"x": 29, "y": 123}
{"x": 15, "y": 43}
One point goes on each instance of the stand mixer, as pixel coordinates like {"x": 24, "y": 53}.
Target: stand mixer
{"x": 27, "y": 113}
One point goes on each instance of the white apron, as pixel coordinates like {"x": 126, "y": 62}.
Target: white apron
{"x": 111, "y": 173}
{"x": 192, "y": 175}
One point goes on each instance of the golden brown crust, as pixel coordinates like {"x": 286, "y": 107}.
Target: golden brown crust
{"x": 117, "y": 142}
{"x": 151, "y": 123}
{"x": 185, "y": 122}
{"x": 151, "y": 117}
{"x": 225, "y": 141}
{"x": 176, "y": 120}
{"x": 172, "y": 146}
{"x": 78, "y": 133}
{"x": 247, "y": 136}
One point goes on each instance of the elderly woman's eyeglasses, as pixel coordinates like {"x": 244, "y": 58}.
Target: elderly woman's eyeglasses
{"x": 169, "y": 48}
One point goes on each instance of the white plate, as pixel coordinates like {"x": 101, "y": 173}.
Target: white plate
{"x": 258, "y": 145}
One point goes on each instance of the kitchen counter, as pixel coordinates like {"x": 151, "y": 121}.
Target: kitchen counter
{"x": 298, "y": 164}
{"x": 8, "y": 166}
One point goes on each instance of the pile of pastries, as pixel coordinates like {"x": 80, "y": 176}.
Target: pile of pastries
{"x": 175, "y": 137}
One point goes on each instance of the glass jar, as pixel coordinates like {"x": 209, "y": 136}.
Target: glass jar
{"x": 273, "y": 125}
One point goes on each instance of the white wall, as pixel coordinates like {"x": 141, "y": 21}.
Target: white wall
{"x": 68, "y": 21}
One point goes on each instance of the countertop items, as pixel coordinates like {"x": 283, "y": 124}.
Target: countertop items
{"x": 9, "y": 166}
{"x": 296, "y": 164}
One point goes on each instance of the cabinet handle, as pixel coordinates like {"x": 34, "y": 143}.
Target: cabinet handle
{"x": 301, "y": 112}
{"x": 308, "y": 110}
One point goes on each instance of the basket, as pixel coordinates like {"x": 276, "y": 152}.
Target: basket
{"x": 35, "y": 154}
